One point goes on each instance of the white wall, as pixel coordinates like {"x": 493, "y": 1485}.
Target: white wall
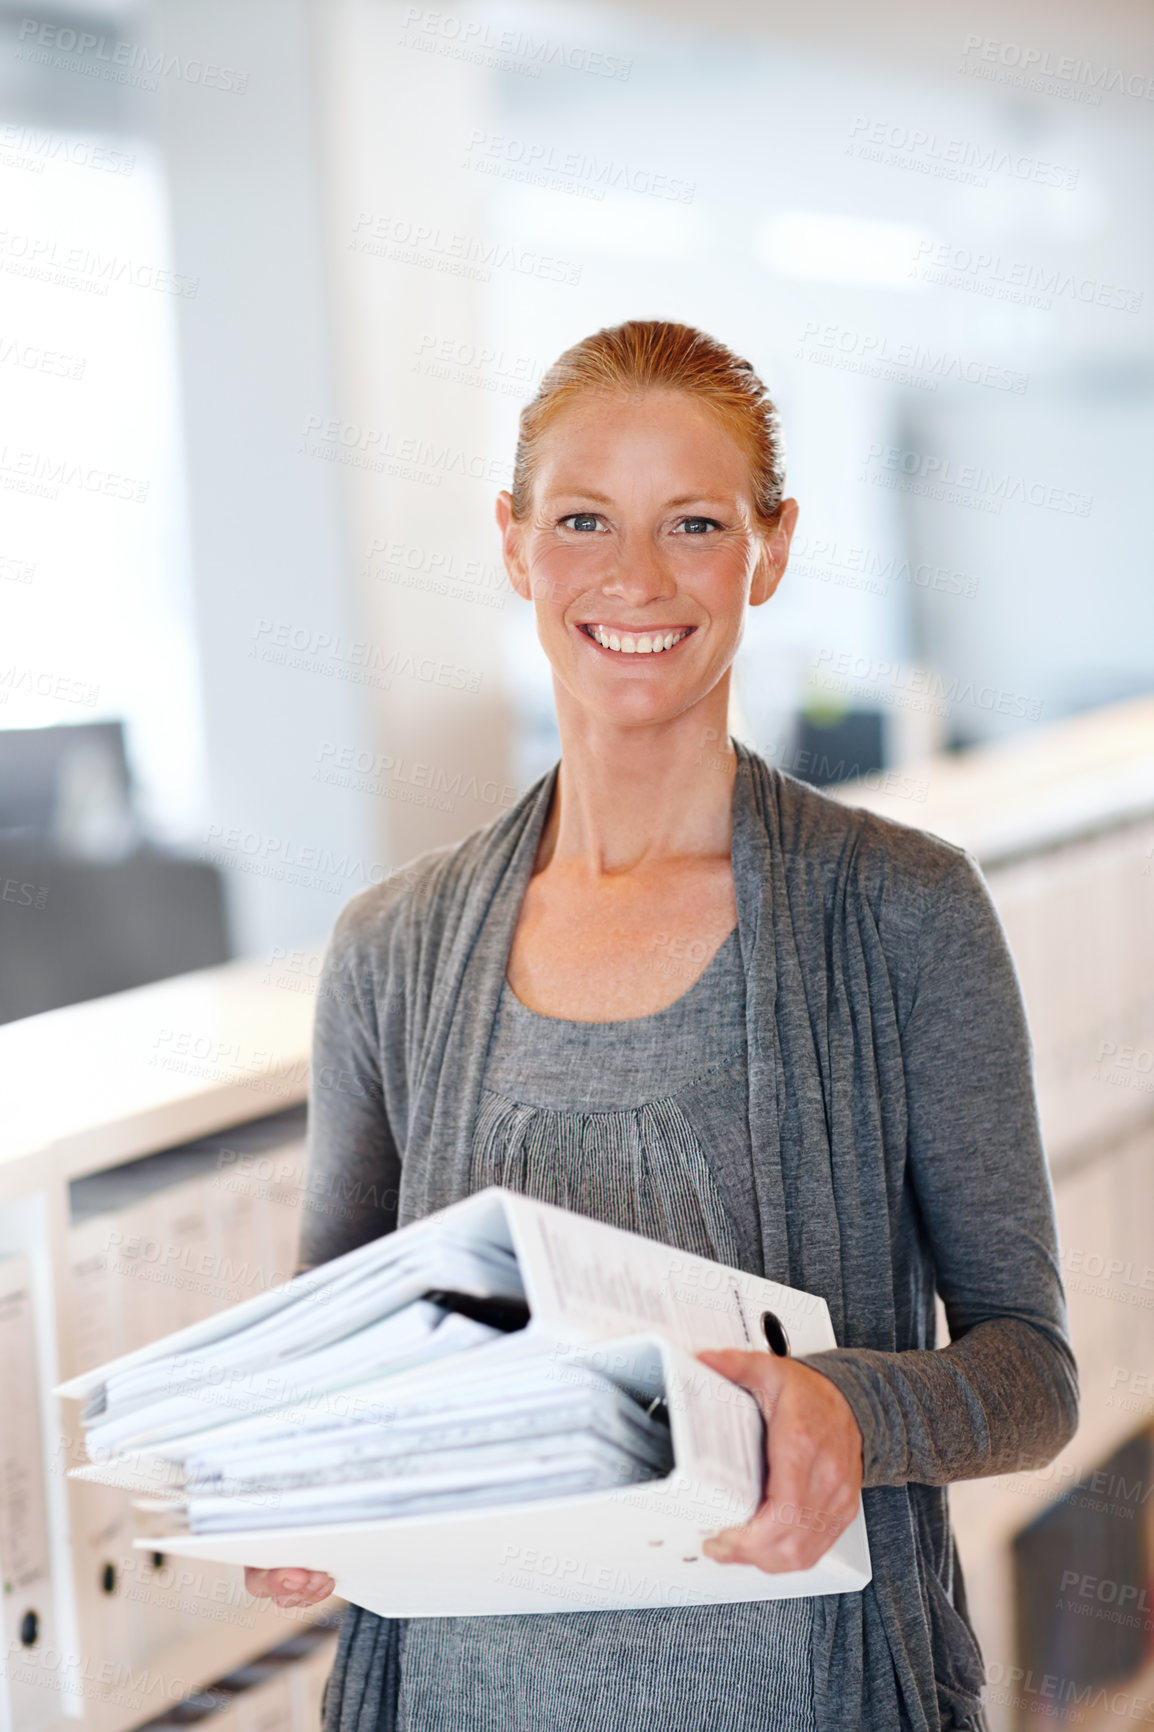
{"x": 270, "y": 545}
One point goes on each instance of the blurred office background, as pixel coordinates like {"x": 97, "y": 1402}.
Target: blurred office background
{"x": 277, "y": 277}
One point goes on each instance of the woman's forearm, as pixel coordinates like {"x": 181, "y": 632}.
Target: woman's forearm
{"x": 1001, "y": 1399}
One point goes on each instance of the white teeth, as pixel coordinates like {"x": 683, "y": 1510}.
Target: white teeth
{"x": 626, "y": 644}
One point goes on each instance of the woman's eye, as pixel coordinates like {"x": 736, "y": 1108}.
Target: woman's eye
{"x": 695, "y": 525}
{"x": 581, "y": 520}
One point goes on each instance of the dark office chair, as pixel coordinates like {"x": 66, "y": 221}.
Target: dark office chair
{"x": 87, "y": 905}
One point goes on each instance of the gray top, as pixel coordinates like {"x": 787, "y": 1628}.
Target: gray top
{"x": 570, "y": 1115}
{"x": 896, "y": 1150}
{"x": 629, "y": 1166}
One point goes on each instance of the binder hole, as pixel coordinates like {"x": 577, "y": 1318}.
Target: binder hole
{"x": 158, "y": 1560}
{"x": 776, "y": 1338}
{"x": 108, "y": 1578}
{"x": 29, "y": 1628}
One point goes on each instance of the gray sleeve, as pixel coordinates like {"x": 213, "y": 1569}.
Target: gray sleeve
{"x": 1003, "y": 1395}
{"x": 354, "y": 1167}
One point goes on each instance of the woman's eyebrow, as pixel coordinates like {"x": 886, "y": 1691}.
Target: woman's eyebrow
{"x": 578, "y": 493}
{"x": 670, "y": 504}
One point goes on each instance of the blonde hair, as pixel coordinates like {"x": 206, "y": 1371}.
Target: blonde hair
{"x": 653, "y": 354}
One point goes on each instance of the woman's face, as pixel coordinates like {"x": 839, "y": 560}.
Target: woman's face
{"x": 641, "y": 553}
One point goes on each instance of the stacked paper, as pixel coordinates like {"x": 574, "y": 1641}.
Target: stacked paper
{"x": 523, "y": 1433}
{"x": 417, "y": 1414}
{"x": 292, "y": 1417}
{"x": 317, "y": 1333}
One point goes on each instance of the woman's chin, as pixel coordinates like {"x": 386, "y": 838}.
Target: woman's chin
{"x": 635, "y": 709}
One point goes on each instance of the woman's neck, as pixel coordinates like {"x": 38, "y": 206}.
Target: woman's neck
{"x": 630, "y": 797}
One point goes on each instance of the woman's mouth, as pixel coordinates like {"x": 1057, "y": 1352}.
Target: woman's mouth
{"x": 636, "y": 643}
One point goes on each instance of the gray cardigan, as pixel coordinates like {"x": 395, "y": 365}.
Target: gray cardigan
{"x": 897, "y": 1148}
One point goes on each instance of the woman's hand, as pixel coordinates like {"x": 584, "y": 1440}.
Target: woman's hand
{"x": 289, "y": 1587}
{"x": 813, "y": 1449}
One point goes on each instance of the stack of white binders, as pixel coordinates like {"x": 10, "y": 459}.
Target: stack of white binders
{"x": 496, "y": 1409}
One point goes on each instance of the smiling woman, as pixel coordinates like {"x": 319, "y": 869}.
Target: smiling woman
{"x": 678, "y": 990}
{"x": 646, "y": 508}
{"x": 675, "y": 552}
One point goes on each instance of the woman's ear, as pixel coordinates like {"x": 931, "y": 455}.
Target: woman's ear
{"x": 774, "y": 555}
{"x": 512, "y": 545}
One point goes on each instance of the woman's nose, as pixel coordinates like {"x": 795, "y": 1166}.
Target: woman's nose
{"x": 640, "y": 573}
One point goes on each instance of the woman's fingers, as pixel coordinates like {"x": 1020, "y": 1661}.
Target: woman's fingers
{"x": 763, "y": 1374}
{"x": 792, "y": 1530}
{"x": 814, "y": 1459}
{"x": 289, "y": 1587}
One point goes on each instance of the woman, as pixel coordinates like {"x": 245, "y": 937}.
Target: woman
{"x": 841, "y": 1098}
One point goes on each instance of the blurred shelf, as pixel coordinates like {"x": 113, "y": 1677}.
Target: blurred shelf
{"x": 1050, "y": 786}
{"x": 100, "y": 1082}
{"x": 198, "y": 1663}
